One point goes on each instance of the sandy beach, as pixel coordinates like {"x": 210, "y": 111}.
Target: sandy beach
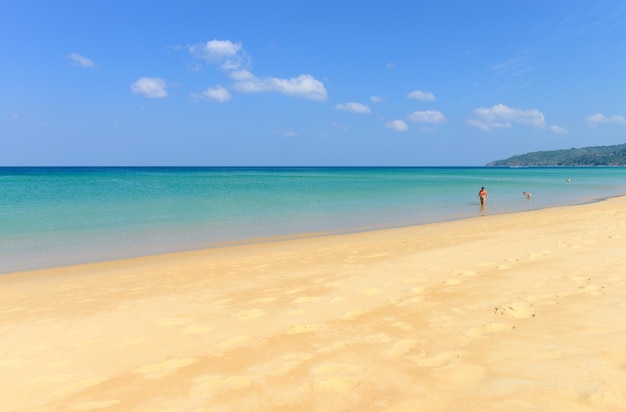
{"x": 517, "y": 312}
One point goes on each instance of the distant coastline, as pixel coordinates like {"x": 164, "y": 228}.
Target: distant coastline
{"x": 587, "y": 156}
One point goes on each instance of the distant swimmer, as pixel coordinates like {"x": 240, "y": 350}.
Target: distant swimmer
{"x": 569, "y": 180}
{"x": 527, "y": 195}
{"x": 482, "y": 195}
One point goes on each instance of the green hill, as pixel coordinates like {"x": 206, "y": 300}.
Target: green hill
{"x": 586, "y": 156}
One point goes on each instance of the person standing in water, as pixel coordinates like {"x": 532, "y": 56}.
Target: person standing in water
{"x": 482, "y": 195}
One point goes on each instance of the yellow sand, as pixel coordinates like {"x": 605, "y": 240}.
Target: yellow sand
{"x": 516, "y": 312}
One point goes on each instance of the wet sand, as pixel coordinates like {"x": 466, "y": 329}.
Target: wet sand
{"x": 525, "y": 311}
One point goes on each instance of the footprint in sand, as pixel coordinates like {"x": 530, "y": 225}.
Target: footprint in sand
{"x": 159, "y": 370}
{"x": 537, "y": 255}
{"x": 370, "y": 292}
{"x": 406, "y": 302}
{"x": 402, "y": 347}
{"x": 378, "y": 338}
{"x": 402, "y": 325}
{"x": 290, "y": 362}
{"x": 234, "y": 342}
{"x": 304, "y": 299}
{"x": 78, "y": 386}
{"x": 55, "y": 379}
{"x": 57, "y": 364}
{"x": 336, "y": 377}
{"x": 462, "y": 272}
{"x": 250, "y": 314}
{"x": 197, "y": 330}
{"x": 237, "y": 382}
{"x": 297, "y": 312}
{"x": 417, "y": 290}
{"x": 13, "y": 310}
{"x": 215, "y": 383}
{"x": 488, "y": 329}
{"x": 88, "y": 406}
{"x": 336, "y": 384}
{"x": 595, "y": 290}
{"x": 297, "y": 329}
{"x": 294, "y": 291}
{"x": 264, "y": 300}
{"x": 336, "y": 369}
{"x": 438, "y": 360}
{"x": 517, "y": 310}
{"x": 137, "y": 340}
{"x": 174, "y": 321}
{"x": 69, "y": 286}
{"x": 352, "y": 314}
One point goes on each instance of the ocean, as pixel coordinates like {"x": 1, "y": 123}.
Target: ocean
{"x": 52, "y": 216}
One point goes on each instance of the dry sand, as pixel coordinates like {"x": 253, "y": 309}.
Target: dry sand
{"x": 515, "y": 312}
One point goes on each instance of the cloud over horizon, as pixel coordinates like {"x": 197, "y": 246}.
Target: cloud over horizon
{"x": 501, "y": 116}
{"x": 598, "y": 118}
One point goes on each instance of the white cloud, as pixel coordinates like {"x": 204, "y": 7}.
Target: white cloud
{"x": 290, "y": 133}
{"x": 152, "y": 87}
{"x": 354, "y": 108}
{"x": 82, "y": 61}
{"x": 479, "y": 125}
{"x": 216, "y": 94}
{"x": 596, "y": 119}
{"x": 242, "y": 75}
{"x": 304, "y": 85}
{"x": 501, "y": 116}
{"x": 420, "y": 95}
{"x": 428, "y": 116}
{"x": 230, "y": 55}
{"x": 377, "y": 99}
{"x": 397, "y": 125}
{"x": 340, "y": 126}
{"x": 558, "y": 129}
{"x": 234, "y": 59}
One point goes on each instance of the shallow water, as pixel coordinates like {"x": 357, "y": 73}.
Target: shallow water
{"x": 59, "y": 216}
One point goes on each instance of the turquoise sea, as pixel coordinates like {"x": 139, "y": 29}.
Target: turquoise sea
{"x": 60, "y": 216}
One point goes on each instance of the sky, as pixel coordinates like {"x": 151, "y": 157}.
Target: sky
{"x": 295, "y": 83}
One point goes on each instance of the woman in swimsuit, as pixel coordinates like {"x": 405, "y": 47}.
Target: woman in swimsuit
{"x": 482, "y": 195}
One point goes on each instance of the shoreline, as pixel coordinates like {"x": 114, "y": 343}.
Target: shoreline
{"x": 285, "y": 238}
{"x": 513, "y": 311}
{"x": 72, "y": 217}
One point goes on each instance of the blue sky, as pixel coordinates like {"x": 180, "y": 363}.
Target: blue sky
{"x": 288, "y": 83}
